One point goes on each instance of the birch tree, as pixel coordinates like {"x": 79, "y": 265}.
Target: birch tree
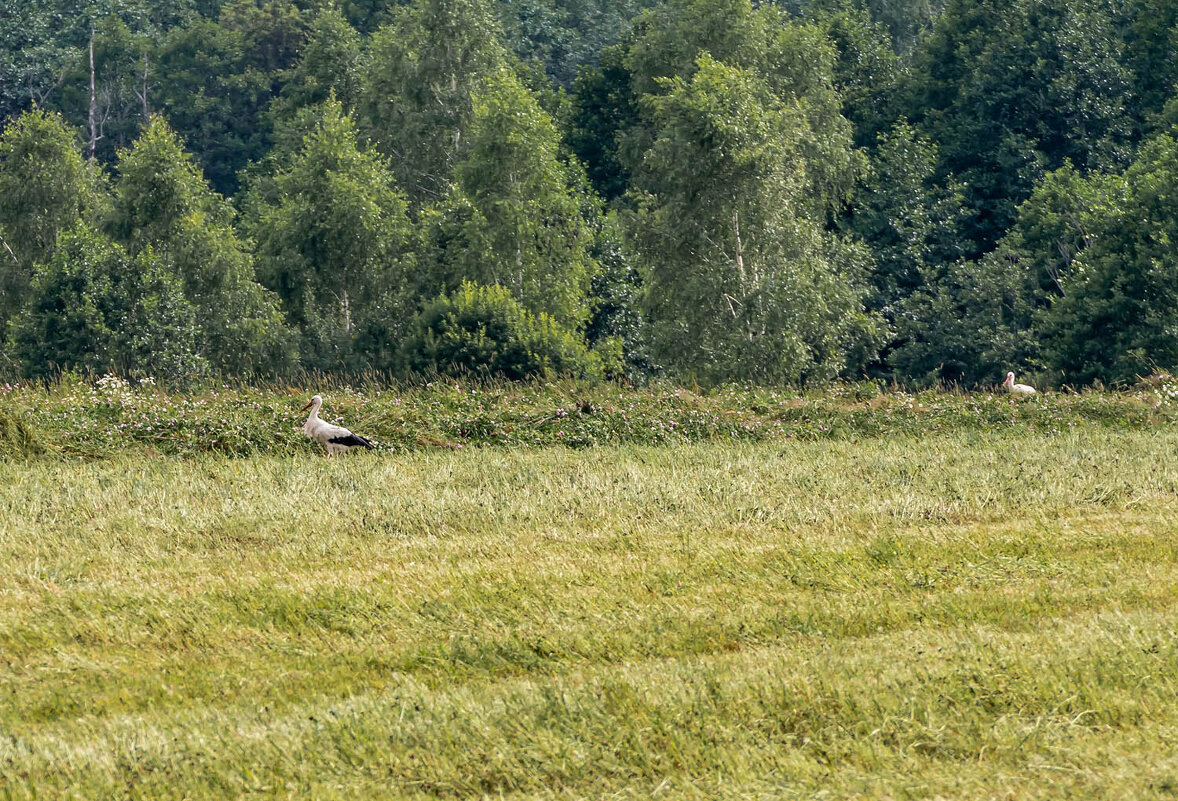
{"x": 335, "y": 244}
{"x": 741, "y": 280}
{"x": 515, "y": 217}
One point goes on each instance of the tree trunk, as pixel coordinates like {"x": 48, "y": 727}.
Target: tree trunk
{"x": 93, "y": 101}
{"x": 739, "y": 251}
{"x": 143, "y": 94}
{"x": 745, "y": 289}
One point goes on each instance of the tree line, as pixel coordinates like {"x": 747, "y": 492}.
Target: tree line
{"x": 710, "y": 190}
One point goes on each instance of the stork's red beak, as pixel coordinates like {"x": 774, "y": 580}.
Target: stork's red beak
{"x": 308, "y": 406}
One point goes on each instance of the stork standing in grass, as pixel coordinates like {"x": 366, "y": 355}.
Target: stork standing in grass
{"x": 335, "y": 439}
{"x": 1017, "y": 389}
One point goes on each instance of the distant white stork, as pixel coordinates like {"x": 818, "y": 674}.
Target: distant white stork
{"x": 335, "y": 439}
{"x": 1017, "y": 389}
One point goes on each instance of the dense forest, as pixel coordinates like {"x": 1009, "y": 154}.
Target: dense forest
{"x": 708, "y": 190}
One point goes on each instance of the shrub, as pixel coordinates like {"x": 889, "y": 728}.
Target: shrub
{"x": 484, "y": 331}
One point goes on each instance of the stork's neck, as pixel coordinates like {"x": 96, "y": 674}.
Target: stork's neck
{"x": 313, "y": 417}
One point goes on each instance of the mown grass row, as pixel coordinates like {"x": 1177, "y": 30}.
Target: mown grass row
{"x": 965, "y": 615}
{"x": 78, "y": 419}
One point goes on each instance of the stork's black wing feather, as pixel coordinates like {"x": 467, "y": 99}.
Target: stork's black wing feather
{"x": 352, "y": 441}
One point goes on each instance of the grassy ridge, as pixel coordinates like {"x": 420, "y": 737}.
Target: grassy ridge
{"x": 976, "y": 615}
{"x": 75, "y": 419}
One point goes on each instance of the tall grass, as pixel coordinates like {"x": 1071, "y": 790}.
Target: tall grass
{"x": 969, "y": 614}
{"x": 93, "y": 420}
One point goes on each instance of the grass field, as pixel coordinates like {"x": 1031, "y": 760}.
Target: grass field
{"x": 968, "y": 614}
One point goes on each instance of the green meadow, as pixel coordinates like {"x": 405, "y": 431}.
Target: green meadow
{"x": 866, "y": 595}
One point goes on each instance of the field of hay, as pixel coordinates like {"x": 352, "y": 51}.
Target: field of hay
{"x": 978, "y": 611}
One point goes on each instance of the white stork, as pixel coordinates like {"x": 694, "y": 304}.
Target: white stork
{"x": 1017, "y": 389}
{"x": 335, "y": 439}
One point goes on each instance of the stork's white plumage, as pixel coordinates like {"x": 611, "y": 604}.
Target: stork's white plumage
{"x": 1017, "y": 389}
{"x": 335, "y": 439}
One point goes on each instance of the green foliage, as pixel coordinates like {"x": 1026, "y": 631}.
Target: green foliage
{"x": 616, "y": 302}
{"x": 45, "y": 187}
{"x": 906, "y": 20}
{"x": 417, "y": 100}
{"x": 484, "y": 331}
{"x": 159, "y": 189}
{"x": 1149, "y": 29}
{"x": 967, "y": 325}
{"x": 908, "y": 221}
{"x": 670, "y": 37}
{"x": 122, "y": 92}
{"x": 795, "y": 62}
{"x": 330, "y": 64}
{"x": 976, "y": 151}
{"x": 95, "y": 307}
{"x": 216, "y": 79}
{"x": 918, "y": 282}
{"x": 31, "y": 56}
{"x": 1117, "y": 316}
{"x": 43, "y": 44}
{"x": 164, "y": 204}
{"x": 604, "y": 108}
{"x": 566, "y": 36}
{"x": 1052, "y": 73}
{"x": 973, "y": 321}
{"x": 1057, "y": 223}
{"x": 741, "y": 282}
{"x": 514, "y": 218}
{"x": 866, "y": 70}
{"x": 1012, "y": 91}
{"x": 740, "y": 155}
{"x": 334, "y": 244}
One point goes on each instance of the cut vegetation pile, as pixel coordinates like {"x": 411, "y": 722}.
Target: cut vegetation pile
{"x": 16, "y": 439}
